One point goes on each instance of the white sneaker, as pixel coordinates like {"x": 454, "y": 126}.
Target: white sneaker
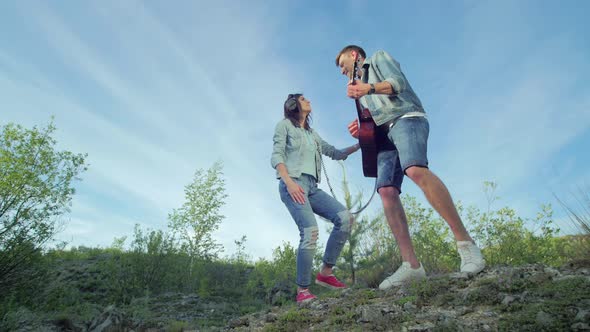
{"x": 471, "y": 258}
{"x": 404, "y": 273}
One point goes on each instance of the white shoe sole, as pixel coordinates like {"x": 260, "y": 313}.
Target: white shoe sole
{"x": 399, "y": 283}
{"x": 476, "y": 271}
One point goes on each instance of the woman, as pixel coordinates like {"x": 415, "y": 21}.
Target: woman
{"x": 296, "y": 156}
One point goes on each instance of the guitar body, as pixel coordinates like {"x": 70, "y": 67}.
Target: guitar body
{"x": 367, "y": 141}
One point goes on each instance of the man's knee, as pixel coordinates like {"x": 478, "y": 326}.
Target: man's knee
{"x": 417, "y": 173}
{"x": 389, "y": 191}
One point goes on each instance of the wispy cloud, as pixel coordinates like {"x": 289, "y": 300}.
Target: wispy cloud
{"x": 184, "y": 117}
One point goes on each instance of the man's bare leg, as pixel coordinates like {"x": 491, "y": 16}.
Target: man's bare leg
{"x": 440, "y": 199}
{"x": 398, "y": 223}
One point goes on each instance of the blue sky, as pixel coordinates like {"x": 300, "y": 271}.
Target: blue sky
{"x": 154, "y": 90}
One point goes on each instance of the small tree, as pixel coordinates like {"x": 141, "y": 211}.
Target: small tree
{"x": 241, "y": 256}
{"x": 350, "y": 252}
{"x": 199, "y": 216}
{"x": 35, "y": 189}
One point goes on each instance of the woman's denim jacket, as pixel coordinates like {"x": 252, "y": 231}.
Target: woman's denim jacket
{"x": 287, "y": 149}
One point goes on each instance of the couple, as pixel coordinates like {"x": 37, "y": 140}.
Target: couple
{"x": 297, "y": 150}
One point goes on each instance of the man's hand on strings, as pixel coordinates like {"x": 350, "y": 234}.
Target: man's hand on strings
{"x": 353, "y": 128}
{"x": 357, "y": 90}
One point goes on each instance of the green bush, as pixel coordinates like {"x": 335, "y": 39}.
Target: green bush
{"x": 36, "y": 188}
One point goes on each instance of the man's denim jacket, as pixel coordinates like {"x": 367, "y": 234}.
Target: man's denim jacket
{"x": 287, "y": 147}
{"x": 383, "y": 108}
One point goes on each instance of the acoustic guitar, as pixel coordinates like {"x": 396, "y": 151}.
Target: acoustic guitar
{"x": 367, "y": 134}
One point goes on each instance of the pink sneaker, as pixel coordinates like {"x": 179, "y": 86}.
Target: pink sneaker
{"x": 329, "y": 281}
{"x": 305, "y": 296}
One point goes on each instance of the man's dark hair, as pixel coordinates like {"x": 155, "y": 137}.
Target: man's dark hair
{"x": 348, "y": 49}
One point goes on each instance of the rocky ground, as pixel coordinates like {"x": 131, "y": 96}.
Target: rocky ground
{"x": 525, "y": 298}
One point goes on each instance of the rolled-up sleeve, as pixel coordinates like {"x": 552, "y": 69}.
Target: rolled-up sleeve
{"x": 390, "y": 69}
{"x": 278, "y": 147}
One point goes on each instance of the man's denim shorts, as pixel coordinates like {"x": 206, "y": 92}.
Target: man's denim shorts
{"x": 409, "y": 137}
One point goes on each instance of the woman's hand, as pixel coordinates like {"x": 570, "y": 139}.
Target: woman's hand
{"x": 297, "y": 193}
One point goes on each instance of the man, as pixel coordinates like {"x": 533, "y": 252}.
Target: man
{"x": 398, "y": 114}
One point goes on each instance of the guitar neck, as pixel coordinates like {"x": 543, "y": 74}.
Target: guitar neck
{"x": 363, "y": 113}
{"x": 359, "y": 108}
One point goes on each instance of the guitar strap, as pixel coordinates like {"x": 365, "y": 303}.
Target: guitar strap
{"x": 365, "y": 77}
{"x": 330, "y": 186}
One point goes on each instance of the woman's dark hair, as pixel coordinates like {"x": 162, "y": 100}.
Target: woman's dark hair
{"x": 292, "y": 108}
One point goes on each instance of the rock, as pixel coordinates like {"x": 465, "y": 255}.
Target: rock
{"x": 237, "y": 322}
{"x": 191, "y": 299}
{"x": 489, "y": 314}
{"x": 580, "y": 327}
{"x": 424, "y": 327}
{"x": 544, "y": 318}
{"x": 409, "y": 306}
{"x": 552, "y": 271}
{"x": 444, "y": 315}
{"x": 320, "y": 305}
{"x": 566, "y": 277}
{"x": 464, "y": 311}
{"x": 271, "y": 317}
{"x": 368, "y": 314}
{"x": 508, "y": 299}
{"x": 582, "y": 316}
{"x": 111, "y": 319}
{"x": 393, "y": 308}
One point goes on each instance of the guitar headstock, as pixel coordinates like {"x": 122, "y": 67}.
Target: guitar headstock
{"x": 354, "y": 73}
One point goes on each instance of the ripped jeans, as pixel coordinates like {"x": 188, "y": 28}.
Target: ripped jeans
{"x": 316, "y": 201}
